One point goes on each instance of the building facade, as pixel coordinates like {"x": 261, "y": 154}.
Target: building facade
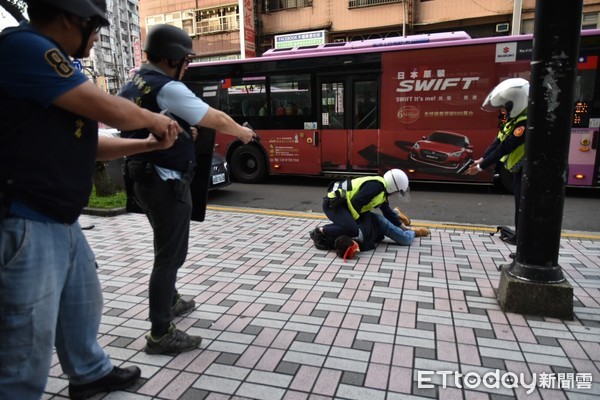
{"x": 225, "y": 29}
{"x": 118, "y": 48}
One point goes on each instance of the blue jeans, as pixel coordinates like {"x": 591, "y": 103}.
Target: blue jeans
{"x": 397, "y": 234}
{"x": 49, "y": 296}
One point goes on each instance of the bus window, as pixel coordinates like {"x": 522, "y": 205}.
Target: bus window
{"x": 245, "y": 97}
{"x": 290, "y": 95}
{"x": 290, "y": 101}
{"x": 332, "y": 112}
{"x": 365, "y": 105}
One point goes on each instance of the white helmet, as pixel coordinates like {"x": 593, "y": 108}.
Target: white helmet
{"x": 396, "y": 181}
{"x": 511, "y": 94}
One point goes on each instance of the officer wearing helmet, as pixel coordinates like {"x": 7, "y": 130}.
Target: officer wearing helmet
{"x": 51, "y": 295}
{"x": 510, "y": 98}
{"x": 348, "y": 204}
{"x": 161, "y": 179}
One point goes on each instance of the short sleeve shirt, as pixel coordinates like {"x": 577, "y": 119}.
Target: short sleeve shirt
{"x": 35, "y": 68}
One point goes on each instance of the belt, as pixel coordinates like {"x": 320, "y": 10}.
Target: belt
{"x": 20, "y": 210}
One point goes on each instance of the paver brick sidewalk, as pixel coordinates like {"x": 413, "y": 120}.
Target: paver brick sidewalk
{"x": 283, "y": 320}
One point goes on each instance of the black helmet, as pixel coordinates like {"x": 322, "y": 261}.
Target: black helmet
{"x": 167, "y": 41}
{"x": 82, "y": 8}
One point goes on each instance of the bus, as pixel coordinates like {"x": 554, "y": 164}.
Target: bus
{"x": 361, "y": 108}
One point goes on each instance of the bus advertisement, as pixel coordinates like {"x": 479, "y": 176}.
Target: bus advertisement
{"x": 347, "y": 109}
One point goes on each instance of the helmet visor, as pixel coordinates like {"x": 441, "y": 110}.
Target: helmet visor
{"x": 402, "y": 196}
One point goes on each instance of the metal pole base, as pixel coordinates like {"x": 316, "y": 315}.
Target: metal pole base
{"x": 536, "y": 273}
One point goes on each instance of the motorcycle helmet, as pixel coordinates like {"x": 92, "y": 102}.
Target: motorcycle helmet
{"x": 511, "y": 94}
{"x": 396, "y": 181}
{"x": 170, "y": 42}
{"x": 82, "y": 8}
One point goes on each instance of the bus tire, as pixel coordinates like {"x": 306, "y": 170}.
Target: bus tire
{"x": 248, "y": 164}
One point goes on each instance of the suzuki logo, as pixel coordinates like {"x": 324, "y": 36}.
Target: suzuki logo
{"x": 505, "y": 50}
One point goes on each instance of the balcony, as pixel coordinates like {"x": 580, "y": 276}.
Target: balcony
{"x": 276, "y": 5}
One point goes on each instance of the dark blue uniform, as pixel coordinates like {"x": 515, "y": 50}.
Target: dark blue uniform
{"x": 166, "y": 202}
{"x": 46, "y": 154}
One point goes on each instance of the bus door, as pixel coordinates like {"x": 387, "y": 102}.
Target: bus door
{"x": 349, "y": 121}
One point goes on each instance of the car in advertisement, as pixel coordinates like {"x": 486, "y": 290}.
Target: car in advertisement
{"x": 447, "y": 150}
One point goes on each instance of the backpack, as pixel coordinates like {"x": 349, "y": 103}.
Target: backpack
{"x": 507, "y": 235}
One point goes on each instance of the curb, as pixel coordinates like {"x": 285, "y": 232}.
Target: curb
{"x": 104, "y": 212}
{"x": 320, "y": 216}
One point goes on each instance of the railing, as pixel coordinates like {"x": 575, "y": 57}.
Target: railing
{"x": 368, "y": 3}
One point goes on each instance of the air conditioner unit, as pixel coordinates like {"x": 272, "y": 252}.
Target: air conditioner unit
{"x": 503, "y": 27}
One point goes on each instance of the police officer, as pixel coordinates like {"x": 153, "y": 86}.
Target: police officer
{"x": 510, "y": 98}
{"x": 372, "y": 229}
{"x": 347, "y": 200}
{"x": 162, "y": 178}
{"x": 50, "y": 295}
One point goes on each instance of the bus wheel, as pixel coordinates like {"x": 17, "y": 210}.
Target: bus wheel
{"x": 248, "y": 165}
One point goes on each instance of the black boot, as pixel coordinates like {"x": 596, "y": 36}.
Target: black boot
{"x": 117, "y": 379}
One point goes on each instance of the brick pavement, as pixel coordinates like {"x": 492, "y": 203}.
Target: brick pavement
{"x": 283, "y": 320}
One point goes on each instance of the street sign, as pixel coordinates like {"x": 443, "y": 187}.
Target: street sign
{"x": 77, "y": 64}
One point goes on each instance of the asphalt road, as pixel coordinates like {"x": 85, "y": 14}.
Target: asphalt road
{"x": 462, "y": 204}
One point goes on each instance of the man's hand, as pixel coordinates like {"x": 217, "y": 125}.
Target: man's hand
{"x": 164, "y": 126}
{"x": 474, "y": 169}
{"x": 246, "y": 135}
{"x": 163, "y": 143}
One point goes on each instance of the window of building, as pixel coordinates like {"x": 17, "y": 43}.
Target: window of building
{"x": 368, "y": 3}
{"x": 275, "y": 5}
{"x": 202, "y": 21}
{"x": 589, "y": 21}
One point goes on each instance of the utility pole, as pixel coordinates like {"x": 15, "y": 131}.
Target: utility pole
{"x": 534, "y": 283}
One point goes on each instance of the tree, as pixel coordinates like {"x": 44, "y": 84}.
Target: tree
{"x": 15, "y": 8}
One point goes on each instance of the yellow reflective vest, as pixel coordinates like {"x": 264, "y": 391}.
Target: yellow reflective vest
{"x": 510, "y": 160}
{"x": 349, "y": 188}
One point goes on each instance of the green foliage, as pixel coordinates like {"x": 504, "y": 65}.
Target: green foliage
{"x": 107, "y": 202}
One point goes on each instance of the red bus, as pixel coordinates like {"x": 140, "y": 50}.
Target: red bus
{"x": 365, "y": 107}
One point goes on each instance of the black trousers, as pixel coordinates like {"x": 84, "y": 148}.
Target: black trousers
{"x": 168, "y": 206}
{"x": 517, "y": 179}
{"x": 343, "y": 223}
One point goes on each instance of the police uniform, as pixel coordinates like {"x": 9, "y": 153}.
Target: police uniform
{"x": 50, "y": 294}
{"x": 509, "y": 148}
{"x": 47, "y": 154}
{"x": 346, "y": 201}
{"x": 373, "y": 228}
{"x": 161, "y": 183}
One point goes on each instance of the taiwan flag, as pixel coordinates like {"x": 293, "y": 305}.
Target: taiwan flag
{"x": 587, "y": 62}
